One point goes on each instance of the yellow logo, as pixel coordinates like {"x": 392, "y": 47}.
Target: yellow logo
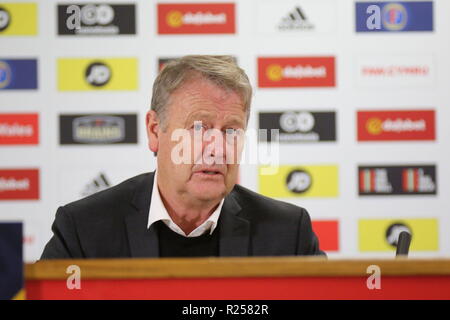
{"x": 377, "y": 235}
{"x": 18, "y": 19}
{"x": 299, "y": 181}
{"x": 374, "y": 126}
{"x": 97, "y": 74}
{"x": 174, "y": 19}
{"x": 274, "y": 72}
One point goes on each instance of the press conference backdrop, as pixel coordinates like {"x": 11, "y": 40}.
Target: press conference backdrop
{"x": 359, "y": 91}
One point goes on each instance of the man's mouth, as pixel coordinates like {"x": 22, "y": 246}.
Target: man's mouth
{"x": 211, "y": 171}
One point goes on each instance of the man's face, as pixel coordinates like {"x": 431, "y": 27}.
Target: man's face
{"x": 202, "y": 110}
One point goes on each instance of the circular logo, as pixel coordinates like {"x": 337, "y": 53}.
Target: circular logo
{"x": 98, "y": 74}
{"x": 274, "y": 72}
{"x": 394, "y": 16}
{"x": 5, "y": 19}
{"x": 292, "y": 121}
{"x": 174, "y": 19}
{"x": 393, "y": 232}
{"x": 298, "y": 181}
{"x": 374, "y": 126}
{"x": 5, "y": 75}
{"x": 101, "y": 14}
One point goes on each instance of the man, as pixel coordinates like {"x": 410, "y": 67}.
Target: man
{"x": 191, "y": 206}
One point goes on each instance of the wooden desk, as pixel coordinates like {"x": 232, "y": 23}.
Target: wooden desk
{"x": 239, "y": 278}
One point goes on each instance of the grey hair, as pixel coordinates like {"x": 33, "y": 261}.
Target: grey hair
{"x": 221, "y": 70}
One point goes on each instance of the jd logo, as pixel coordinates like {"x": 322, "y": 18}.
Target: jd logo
{"x": 298, "y": 181}
{"x": 5, "y": 19}
{"x": 89, "y": 15}
{"x": 98, "y": 74}
{"x": 393, "y": 233}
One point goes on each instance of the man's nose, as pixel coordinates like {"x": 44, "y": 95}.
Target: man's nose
{"x": 214, "y": 146}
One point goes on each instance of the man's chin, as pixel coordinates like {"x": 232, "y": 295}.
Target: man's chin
{"x": 209, "y": 193}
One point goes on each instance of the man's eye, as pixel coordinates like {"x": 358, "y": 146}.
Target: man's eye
{"x": 230, "y": 131}
{"x": 198, "y": 126}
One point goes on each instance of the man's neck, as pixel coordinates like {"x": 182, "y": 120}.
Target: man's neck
{"x": 186, "y": 214}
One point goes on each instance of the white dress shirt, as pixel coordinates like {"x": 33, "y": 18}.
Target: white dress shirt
{"x": 158, "y": 212}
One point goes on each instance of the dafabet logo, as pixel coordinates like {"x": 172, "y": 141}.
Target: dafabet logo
{"x": 296, "y": 72}
{"x": 396, "y": 125}
{"x": 212, "y": 18}
{"x": 19, "y": 184}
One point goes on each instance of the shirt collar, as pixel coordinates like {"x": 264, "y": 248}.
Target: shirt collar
{"x": 159, "y": 212}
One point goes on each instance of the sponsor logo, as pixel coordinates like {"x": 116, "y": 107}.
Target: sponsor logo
{"x": 18, "y": 19}
{"x": 295, "y": 20}
{"x": 296, "y": 72}
{"x": 296, "y": 181}
{"x": 96, "y": 19}
{"x": 5, "y": 19}
{"x": 289, "y": 17}
{"x": 196, "y": 18}
{"x": 397, "y": 180}
{"x": 18, "y": 74}
{"x": 98, "y": 129}
{"x": 5, "y": 75}
{"x": 299, "y": 181}
{"x": 394, "y": 16}
{"x": 382, "y": 234}
{"x": 19, "y": 129}
{"x": 19, "y": 184}
{"x": 97, "y": 74}
{"x": 328, "y": 233}
{"x": 395, "y": 71}
{"x": 393, "y": 233}
{"x": 396, "y": 125}
{"x": 99, "y": 183}
{"x": 299, "y": 126}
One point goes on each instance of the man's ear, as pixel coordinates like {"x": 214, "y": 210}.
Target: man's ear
{"x": 152, "y": 127}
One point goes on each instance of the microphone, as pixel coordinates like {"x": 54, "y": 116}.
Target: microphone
{"x": 404, "y": 240}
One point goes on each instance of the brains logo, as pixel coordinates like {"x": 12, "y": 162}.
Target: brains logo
{"x": 5, "y": 19}
{"x": 174, "y": 19}
{"x": 394, "y": 17}
{"x": 274, "y": 72}
{"x": 299, "y": 181}
{"x": 98, "y": 74}
{"x": 374, "y": 126}
{"x": 5, "y": 74}
{"x": 393, "y": 232}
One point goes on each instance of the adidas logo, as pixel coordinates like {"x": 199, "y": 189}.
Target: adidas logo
{"x": 295, "y": 20}
{"x": 98, "y": 184}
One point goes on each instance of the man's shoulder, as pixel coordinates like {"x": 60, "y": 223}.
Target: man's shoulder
{"x": 112, "y": 198}
{"x": 266, "y": 206}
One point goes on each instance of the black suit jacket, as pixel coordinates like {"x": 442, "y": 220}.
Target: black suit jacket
{"x": 113, "y": 224}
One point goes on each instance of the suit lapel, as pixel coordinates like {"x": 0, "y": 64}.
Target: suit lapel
{"x": 143, "y": 242}
{"x": 234, "y": 231}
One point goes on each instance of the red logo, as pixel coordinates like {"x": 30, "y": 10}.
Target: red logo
{"x": 396, "y": 125}
{"x": 19, "y": 128}
{"x": 189, "y": 18}
{"x": 296, "y": 72}
{"x": 19, "y": 184}
{"x": 328, "y": 234}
